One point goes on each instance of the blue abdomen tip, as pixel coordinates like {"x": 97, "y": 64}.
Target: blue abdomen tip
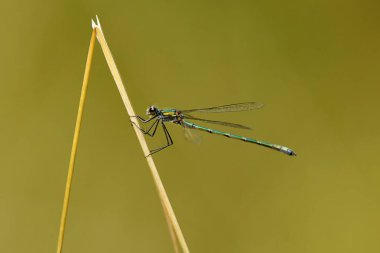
{"x": 288, "y": 151}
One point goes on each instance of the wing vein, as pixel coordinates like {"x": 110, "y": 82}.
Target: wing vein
{"x": 228, "y": 108}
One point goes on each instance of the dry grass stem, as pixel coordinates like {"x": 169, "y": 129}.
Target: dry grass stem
{"x": 75, "y": 142}
{"x": 168, "y": 210}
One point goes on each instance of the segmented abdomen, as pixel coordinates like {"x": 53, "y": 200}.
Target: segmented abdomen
{"x": 280, "y": 148}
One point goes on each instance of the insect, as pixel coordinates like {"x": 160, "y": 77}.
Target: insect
{"x": 182, "y": 117}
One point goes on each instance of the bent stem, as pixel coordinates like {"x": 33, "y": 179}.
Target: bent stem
{"x": 168, "y": 210}
{"x": 75, "y": 142}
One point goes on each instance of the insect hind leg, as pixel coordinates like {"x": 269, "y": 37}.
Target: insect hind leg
{"x": 169, "y": 140}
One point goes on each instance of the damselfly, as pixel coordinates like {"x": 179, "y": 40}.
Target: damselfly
{"x": 182, "y": 117}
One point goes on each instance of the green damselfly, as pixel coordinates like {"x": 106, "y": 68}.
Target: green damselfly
{"x": 182, "y": 117}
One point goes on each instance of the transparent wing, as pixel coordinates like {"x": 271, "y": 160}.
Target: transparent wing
{"x": 228, "y": 108}
{"x": 191, "y": 136}
{"x": 186, "y": 116}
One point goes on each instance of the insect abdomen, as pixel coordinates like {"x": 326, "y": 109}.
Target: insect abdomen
{"x": 282, "y": 149}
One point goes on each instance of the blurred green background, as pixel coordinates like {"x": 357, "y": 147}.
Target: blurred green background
{"x": 314, "y": 64}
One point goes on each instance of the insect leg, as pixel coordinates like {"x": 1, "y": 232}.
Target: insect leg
{"x": 145, "y": 120}
{"x": 167, "y": 134}
{"x": 169, "y": 140}
{"x": 155, "y": 125}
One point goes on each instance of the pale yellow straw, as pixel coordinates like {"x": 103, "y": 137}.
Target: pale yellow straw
{"x": 75, "y": 143}
{"x": 168, "y": 210}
